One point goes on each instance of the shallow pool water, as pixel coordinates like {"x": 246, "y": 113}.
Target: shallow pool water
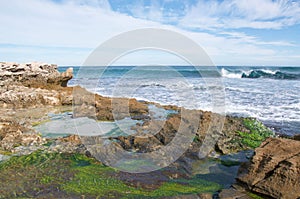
{"x": 63, "y": 124}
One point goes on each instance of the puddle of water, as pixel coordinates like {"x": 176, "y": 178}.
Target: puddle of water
{"x": 158, "y": 113}
{"x": 222, "y": 170}
{"x": 63, "y": 124}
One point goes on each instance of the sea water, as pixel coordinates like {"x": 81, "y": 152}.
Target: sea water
{"x": 270, "y": 94}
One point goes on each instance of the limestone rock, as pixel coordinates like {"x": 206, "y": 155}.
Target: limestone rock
{"x": 16, "y": 96}
{"x": 33, "y": 85}
{"x": 140, "y": 143}
{"x": 38, "y": 75}
{"x": 13, "y": 134}
{"x": 87, "y": 104}
{"x": 75, "y": 139}
{"x": 66, "y": 76}
{"x": 275, "y": 169}
{"x": 70, "y": 144}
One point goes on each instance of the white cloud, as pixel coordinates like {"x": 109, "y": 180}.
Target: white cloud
{"x": 41, "y": 22}
{"x": 242, "y": 37}
{"x": 258, "y": 14}
{"x": 86, "y": 24}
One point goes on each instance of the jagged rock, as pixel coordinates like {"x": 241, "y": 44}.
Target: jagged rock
{"x": 75, "y": 139}
{"x": 66, "y": 76}
{"x": 13, "y": 134}
{"x": 9, "y": 126}
{"x": 274, "y": 169}
{"x": 140, "y": 143}
{"x": 38, "y": 75}
{"x": 222, "y": 140}
{"x": 18, "y": 96}
{"x": 87, "y": 104}
{"x": 33, "y": 84}
{"x": 67, "y": 145}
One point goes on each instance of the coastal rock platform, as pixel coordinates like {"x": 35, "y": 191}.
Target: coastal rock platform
{"x": 29, "y": 91}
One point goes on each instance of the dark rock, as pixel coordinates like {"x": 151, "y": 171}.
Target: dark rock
{"x": 235, "y": 192}
{"x": 296, "y": 137}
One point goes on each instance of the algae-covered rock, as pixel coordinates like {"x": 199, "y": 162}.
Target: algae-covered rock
{"x": 242, "y": 134}
{"x": 61, "y": 175}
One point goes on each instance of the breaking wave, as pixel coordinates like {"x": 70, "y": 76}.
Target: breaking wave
{"x": 261, "y": 73}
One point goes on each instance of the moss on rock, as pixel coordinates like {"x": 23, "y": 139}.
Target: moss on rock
{"x": 258, "y": 133}
{"x": 41, "y": 175}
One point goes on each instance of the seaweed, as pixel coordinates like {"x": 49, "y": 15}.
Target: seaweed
{"x": 258, "y": 133}
{"x": 43, "y": 174}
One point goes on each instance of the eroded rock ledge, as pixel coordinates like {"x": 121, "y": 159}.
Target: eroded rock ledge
{"x": 38, "y": 75}
{"x": 274, "y": 169}
{"x": 273, "y": 172}
{"x": 33, "y": 85}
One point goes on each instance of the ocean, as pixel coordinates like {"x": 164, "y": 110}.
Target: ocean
{"x": 270, "y": 94}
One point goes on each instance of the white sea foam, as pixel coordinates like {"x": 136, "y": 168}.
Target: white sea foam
{"x": 227, "y": 74}
{"x": 269, "y": 71}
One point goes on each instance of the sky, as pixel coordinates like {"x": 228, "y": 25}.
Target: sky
{"x": 232, "y": 32}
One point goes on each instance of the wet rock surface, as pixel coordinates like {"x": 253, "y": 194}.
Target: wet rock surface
{"x": 236, "y": 192}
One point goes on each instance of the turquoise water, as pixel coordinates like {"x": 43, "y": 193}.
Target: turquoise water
{"x": 61, "y": 125}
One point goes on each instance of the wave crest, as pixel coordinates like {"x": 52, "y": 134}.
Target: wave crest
{"x": 259, "y": 73}
{"x": 270, "y": 74}
{"x": 228, "y": 74}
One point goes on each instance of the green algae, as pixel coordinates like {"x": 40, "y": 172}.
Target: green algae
{"x": 254, "y": 196}
{"x": 31, "y": 175}
{"x": 8, "y": 153}
{"x": 258, "y": 133}
{"x": 47, "y": 179}
{"x": 36, "y": 158}
{"x": 230, "y": 163}
{"x": 135, "y": 165}
{"x": 97, "y": 180}
{"x": 76, "y": 175}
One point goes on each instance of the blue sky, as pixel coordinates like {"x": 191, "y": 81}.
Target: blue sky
{"x": 232, "y": 32}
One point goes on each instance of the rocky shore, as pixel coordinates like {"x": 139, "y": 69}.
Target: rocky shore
{"x": 29, "y": 91}
{"x": 274, "y": 172}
